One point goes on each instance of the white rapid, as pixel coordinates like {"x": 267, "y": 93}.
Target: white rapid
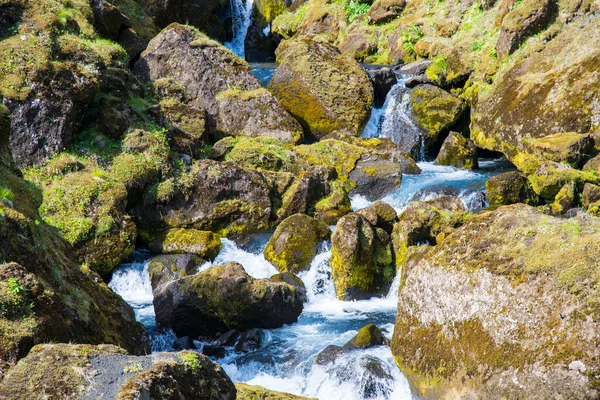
{"x": 241, "y": 17}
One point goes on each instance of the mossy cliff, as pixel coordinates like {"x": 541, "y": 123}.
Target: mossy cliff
{"x": 500, "y": 310}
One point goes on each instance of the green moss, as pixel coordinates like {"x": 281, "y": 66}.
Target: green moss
{"x": 179, "y": 240}
{"x": 191, "y": 361}
{"x": 438, "y": 70}
{"x": 435, "y": 109}
{"x": 332, "y": 153}
{"x": 260, "y": 153}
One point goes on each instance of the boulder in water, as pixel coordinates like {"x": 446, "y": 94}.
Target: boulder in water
{"x": 204, "y": 244}
{"x": 383, "y": 79}
{"x": 222, "y": 298}
{"x": 492, "y": 300}
{"x": 295, "y": 242}
{"x": 381, "y": 215}
{"x": 362, "y": 259}
{"x": 62, "y": 370}
{"x": 293, "y": 280}
{"x": 252, "y": 392}
{"x": 458, "y": 151}
{"x": 170, "y": 267}
{"x": 510, "y": 188}
{"x": 321, "y": 88}
{"x": 367, "y": 336}
{"x": 426, "y": 222}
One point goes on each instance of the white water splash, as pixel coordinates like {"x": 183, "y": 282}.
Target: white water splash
{"x": 254, "y": 264}
{"x": 241, "y": 16}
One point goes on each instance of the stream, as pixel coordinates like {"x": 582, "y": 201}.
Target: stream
{"x": 285, "y": 359}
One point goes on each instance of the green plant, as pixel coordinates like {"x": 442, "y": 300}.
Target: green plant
{"x": 132, "y": 368}
{"x": 410, "y": 37}
{"x": 191, "y": 361}
{"x": 12, "y": 298}
{"x": 6, "y": 196}
{"x": 355, "y": 9}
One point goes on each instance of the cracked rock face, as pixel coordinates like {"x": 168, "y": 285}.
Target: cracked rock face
{"x": 503, "y": 308}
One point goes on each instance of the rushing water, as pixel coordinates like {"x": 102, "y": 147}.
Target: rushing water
{"x": 263, "y": 72}
{"x": 241, "y": 17}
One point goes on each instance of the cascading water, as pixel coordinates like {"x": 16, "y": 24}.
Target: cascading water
{"x": 241, "y": 17}
{"x": 394, "y": 121}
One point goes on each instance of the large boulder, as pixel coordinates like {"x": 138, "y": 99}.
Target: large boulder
{"x": 261, "y": 153}
{"x": 170, "y": 267}
{"x": 524, "y": 20}
{"x": 458, "y": 151}
{"x": 256, "y": 113}
{"x": 62, "y": 371}
{"x": 217, "y": 197}
{"x": 362, "y": 260}
{"x": 222, "y": 298}
{"x": 426, "y": 222}
{"x": 295, "y": 243}
{"x": 204, "y": 244}
{"x": 517, "y": 110}
{"x": 490, "y": 313}
{"x": 510, "y": 188}
{"x": 321, "y": 88}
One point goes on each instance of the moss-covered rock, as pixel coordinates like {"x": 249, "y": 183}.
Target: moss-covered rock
{"x": 590, "y": 195}
{"x": 383, "y": 11}
{"x": 499, "y": 309}
{"x": 565, "y": 198}
{"x": 381, "y": 215}
{"x": 263, "y": 153}
{"x": 550, "y": 177}
{"x": 367, "y": 336}
{"x": 253, "y": 392}
{"x": 510, "y": 188}
{"x": 524, "y": 20}
{"x": 63, "y": 371}
{"x": 435, "y": 110}
{"x": 265, "y": 11}
{"x": 568, "y": 147}
{"x": 362, "y": 259}
{"x": 426, "y": 222}
{"x": 222, "y": 298}
{"x": 256, "y": 113}
{"x": 358, "y": 42}
{"x": 324, "y": 90}
{"x": 458, "y": 151}
{"x": 295, "y": 243}
{"x": 170, "y": 267}
{"x": 178, "y": 241}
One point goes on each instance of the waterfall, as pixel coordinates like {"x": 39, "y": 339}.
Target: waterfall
{"x": 394, "y": 121}
{"x": 241, "y": 17}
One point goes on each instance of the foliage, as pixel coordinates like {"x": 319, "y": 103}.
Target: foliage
{"x": 410, "y": 37}
{"x": 355, "y": 9}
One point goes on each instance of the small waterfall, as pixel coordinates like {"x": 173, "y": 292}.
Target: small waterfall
{"x": 241, "y": 17}
{"x": 254, "y": 263}
{"x": 394, "y": 121}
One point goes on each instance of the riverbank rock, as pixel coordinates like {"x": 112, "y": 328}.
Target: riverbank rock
{"x": 516, "y": 110}
{"x": 62, "y": 371}
{"x": 170, "y": 267}
{"x": 362, "y": 259}
{"x": 252, "y": 392}
{"x": 217, "y": 197}
{"x": 261, "y": 153}
{"x": 383, "y": 11}
{"x": 510, "y": 188}
{"x": 380, "y": 214}
{"x": 426, "y": 222}
{"x": 458, "y": 151}
{"x": 295, "y": 243}
{"x": 490, "y": 313}
{"x": 324, "y": 90}
{"x": 204, "y": 244}
{"x": 222, "y": 298}
{"x": 256, "y": 113}
{"x": 551, "y": 176}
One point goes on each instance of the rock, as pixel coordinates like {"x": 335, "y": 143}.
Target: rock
{"x": 572, "y": 148}
{"x": 458, "y": 151}
{"x": 261, "y": 153}
{"x": 224, "y": 297}
{"x": 565, "y": 199}
{"x": 200, "y": 65}
{"x": 358, "y": 43}
{"x": 381, "y": 215}
{"x": 115, "y": 117}
{"x": 211, "y": 350}
{"x": 435, "y": 110}
{"x": 61, "y": 371}
{"x": 321, "y": 88}
{"x": 383, "y": 11}
{"x": 252, "y": 392}
{"x": 259, "y": 47}
{"x": 415, "y": 68}
{"x": 362, "y": 260}
{"x": 204, "y": 244}
{"x": 464, "y": 306}
{"x": 551, "y": 176}
{"x": 187, "y": 126}
{"x": 220, "y": 197}
{"x": 108, "y": 20}
{"x": 265, "y": 11}
{"x": 524, "y": 20}
{"x": 371, "y": 173}
{"x": 367, "y": 336}
{"x": 294, "y": 281}
{"x": 170, "y": 267}
{"x": 330, "y": 354}
{"x": 417, "y": 80}
{"x": 256, "y": 113}
{"x": 382, "y": 79}
{"x": 193, "y": 12}
{"x": 424, "y": 222}
{"x": 295, "y": 242}
{"x": 512, "y": 115}
{"x": 590, "y": 195}
{"x": 318, "y": 193}
{"x": 510, "y": 188}
{"x": 250, "y": 340}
